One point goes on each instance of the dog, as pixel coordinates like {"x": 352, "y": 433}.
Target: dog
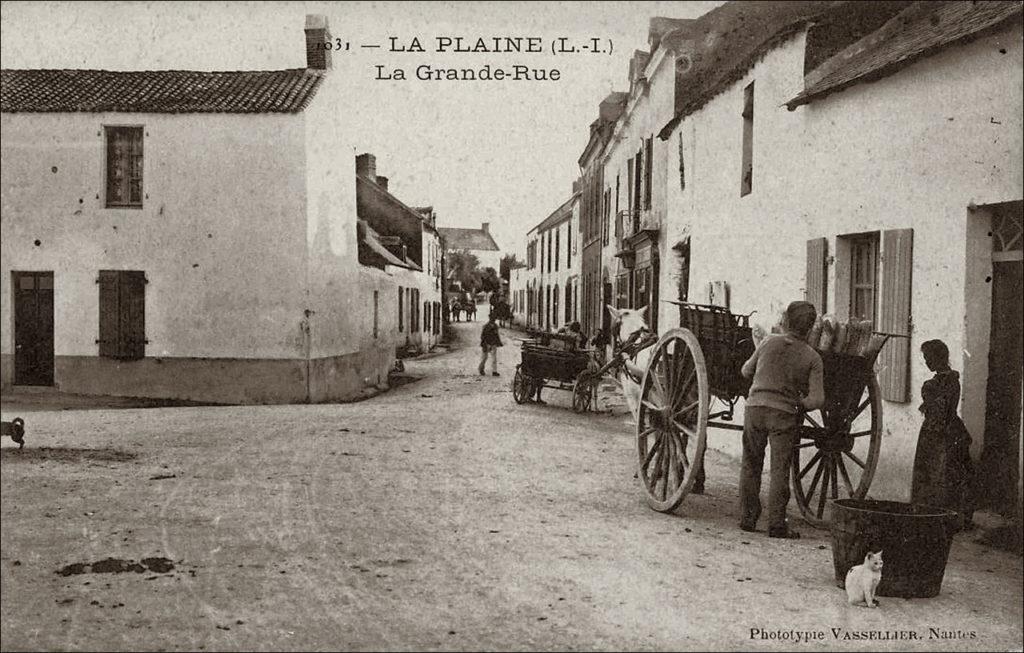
{"x": 15, "y": 429}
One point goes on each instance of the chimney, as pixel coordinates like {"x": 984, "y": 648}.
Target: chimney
{"x": 318, "y": 39}
{"x": 366, "y": 166}
{"x": 382, "y": 182}
{"x": 486, "y": 227}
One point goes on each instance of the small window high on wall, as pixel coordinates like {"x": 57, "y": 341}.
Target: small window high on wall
{"x": 747, "y": 178}
{"x": 124, "y": 167}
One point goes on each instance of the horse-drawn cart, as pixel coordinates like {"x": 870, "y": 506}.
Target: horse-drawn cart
{"x": 693, "y": 381}
{"x": 553, "y": 361}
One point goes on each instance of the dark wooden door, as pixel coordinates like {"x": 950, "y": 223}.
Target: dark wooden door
{"x": 33, "y": 328}
{"x": 1000, "y": 462}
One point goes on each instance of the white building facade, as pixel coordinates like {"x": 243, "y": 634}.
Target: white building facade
{"x": 185, "y": 243}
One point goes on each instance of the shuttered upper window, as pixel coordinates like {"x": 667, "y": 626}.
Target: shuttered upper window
{"x": 124, "y": 167}
{"x": 122, "y": 314}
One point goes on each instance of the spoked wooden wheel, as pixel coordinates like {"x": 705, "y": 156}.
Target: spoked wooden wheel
{"x": 837, "y": 454}
{"x": 672, "y": 420}
{"x": 522, "y": 389}
{"x": 584, "y": 391}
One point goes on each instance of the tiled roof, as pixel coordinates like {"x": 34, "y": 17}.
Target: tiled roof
{"x": 157, "y": 91}
{"x": 733, "y": 37}
{"x": 917, "y": 32}
{"x": 558, "y": 216}
{"x": 472, "y": 239}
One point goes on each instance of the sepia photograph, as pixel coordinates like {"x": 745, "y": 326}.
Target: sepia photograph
{"x": 512, "y": 326}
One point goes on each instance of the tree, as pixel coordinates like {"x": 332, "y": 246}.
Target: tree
{"x": 508, "y": 263}
{"x": 489, "y": 281}
{"x": 464, "y": 268}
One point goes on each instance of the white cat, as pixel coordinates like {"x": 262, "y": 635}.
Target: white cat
{"x": 862, "y": 580}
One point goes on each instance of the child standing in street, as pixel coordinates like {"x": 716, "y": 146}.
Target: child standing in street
{"x": 787, "y": 378}
{"x": 490, "y": 340}
{"x": 942, "y": 463}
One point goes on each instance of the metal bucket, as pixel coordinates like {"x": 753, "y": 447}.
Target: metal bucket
{"x": 914, "y": 540}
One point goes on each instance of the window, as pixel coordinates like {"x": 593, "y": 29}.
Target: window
{"x": 554, "y": 306}
{"x": 414, "y": 309}
{"x": 682, "y": 165}
{"x": 630, "y": 184}
{"x": 618, "y": 218}
{"x": 863, "y": 277}
{"x": 375, "y": 313}
{"x": 568, "y": 302}
{"x": 549, "y": 251}
{"x": 122, "y": 314}
{"x": 426, "y": 317}
{"x": 124, "y": 167}
{"x": 747, "y": 174}
{"x": 607, "y": 216}
{"x": 622, "y": 291}
{"x": 648, "y": 165}
{"x": 558, "y": 247}
{"x": 401, "y": 308}
{"x": 873, "y": 282}
{"x": 638, "y": 183}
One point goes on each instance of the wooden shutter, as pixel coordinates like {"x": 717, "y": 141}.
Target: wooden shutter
{"x": 109, "y": 321}
{"x": 817, "y": 274}
{"x": 133, "y": 314}
{"x": 894, "y": 359}
{"x": 401, "y": 309}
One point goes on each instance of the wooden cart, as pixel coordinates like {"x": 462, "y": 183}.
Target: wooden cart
{"x": 693, "y": 382}
{"x": 553, "y": 361}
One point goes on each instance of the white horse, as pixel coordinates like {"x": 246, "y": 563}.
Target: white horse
{"x": 628, "y": 322}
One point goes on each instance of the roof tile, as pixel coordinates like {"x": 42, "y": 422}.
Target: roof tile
{"x": 157, "y": 91}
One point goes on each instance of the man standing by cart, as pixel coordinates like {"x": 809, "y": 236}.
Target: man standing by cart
{"x": 787, "y": 378}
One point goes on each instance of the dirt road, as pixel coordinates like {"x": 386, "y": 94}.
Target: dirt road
{"x": 440, "y": 515}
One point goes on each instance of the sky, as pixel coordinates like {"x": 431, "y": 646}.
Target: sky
{"x": 502, "y": 152}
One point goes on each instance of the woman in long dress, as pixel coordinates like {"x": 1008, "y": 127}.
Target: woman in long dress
{"x": 942, "y": 464}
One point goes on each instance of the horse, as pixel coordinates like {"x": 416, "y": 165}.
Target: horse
{"x": 627, "y": 323}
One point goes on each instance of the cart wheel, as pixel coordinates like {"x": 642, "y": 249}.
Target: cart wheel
{"x": 584, "y": 391}
{"x": 521, "y": 387}
{"x": 837, "y": 454}
{"x": 672, "y": 420}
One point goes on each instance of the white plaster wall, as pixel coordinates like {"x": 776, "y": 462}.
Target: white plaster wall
{"x": 220, "y": 236}
{"x": 557, "y": 277}
{"x": 645, "y": 116}
{"x": 912, "y": 150}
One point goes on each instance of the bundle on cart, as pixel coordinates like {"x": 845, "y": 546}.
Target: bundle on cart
{"x": 852, "y": 338}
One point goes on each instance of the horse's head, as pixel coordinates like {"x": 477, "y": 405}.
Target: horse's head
{"x": 627, "y": 321}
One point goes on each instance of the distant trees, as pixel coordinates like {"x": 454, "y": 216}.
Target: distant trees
{"x": 489, "y": 281}
{"x": 464, "y": 268}
{"x": 509, "y": 262}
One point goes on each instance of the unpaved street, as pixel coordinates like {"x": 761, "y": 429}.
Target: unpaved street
{"x": 439, "y": 515}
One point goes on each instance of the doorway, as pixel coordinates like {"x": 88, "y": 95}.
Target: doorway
{"x": 1000, "y": 462}
{"x": 33, "y": 328}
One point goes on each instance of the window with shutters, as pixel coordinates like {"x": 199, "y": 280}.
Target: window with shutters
{"x": 122, "y": 329}
{"x": 747, "y": 171}
{"x": 124, "y": 167}
{"x": 401, "y": 309}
